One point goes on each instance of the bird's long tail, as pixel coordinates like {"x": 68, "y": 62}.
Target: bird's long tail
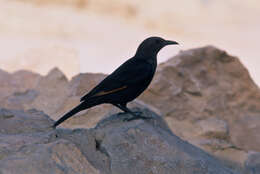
{"x": 75, "y": 110}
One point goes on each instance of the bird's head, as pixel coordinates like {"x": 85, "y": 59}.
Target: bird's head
{"x": 152, "y": 45}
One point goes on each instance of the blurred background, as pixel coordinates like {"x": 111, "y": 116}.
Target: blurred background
{"x": 99, "y": 35}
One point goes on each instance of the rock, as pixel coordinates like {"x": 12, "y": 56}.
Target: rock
{"x": 113, "y": 146}
{"x": 84, "y": 82}
{"x": 16, "y": 82}
{"x": 245, "y": 130}
{"x": 84, "y": 119}
{"x": 206, "y": 79}
{"x": 53, "y": 91}
{"x": 207, "y": 83}
{"x": 253, "y": 163}
{"x": 15, "y": 87}
{"x": 28, "y": 145}
{"x": 232, "y": 157}
{"x": 19, "y": 122}
{"x": 213, "y": 127}
{"x": 27, "y": 90}
{"x": 21, "y": 100}
{"x": 57, "y": 157}
{"x": 212, "y": 144}
{"x": 77, "y": 87}
{"x": 143, "y": 147}
{"x": 206, "y": 96}
{"x": 5, "y": 86}
{"x": 90, "y": 117}
{"x": 26, "y": 80}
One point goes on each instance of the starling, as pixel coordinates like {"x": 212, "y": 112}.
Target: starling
{"x": 126, "y": 83}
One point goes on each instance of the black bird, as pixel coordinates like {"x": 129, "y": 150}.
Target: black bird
{"x": 127, "y": 82}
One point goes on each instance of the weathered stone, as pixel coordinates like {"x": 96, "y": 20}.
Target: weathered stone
{"x": 113, "y": 146}
{"x": 191, "y": 90}
{"x": 213, "y": 127}
{"x": 253, "y": 163}
{"x": 28, "y": 145}
{"x": 53, "y": 91}
{"x": 204, "y": 83}
{"x": 17, "y": 82}
{"x": 244, "y": 132}
{"x": 148, "y": 146}
{"x": 84, "y": 82}
{"x": 232, "y": 155}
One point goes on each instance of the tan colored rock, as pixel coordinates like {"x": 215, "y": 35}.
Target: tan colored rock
{"x": 5, "y": 86}
{"x": 213, "y": 127}
{"x": 245, "y": 130}
{"x": 85, "y": 119}
{"x": 204, "y": 83}
{"x": 205, "y": 79}
{"x": 15, "y": 87}
{"x": 53, "y": 91}
{"x": 84, "y": 82}
{"x": 77, "y": 87}
{"x": 232, "y": 155}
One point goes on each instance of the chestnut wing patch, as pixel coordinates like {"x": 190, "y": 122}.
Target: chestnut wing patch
{"x": 109, "y": 92}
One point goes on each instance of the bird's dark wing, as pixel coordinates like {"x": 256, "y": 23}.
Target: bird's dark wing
{"x": 130, "y": 73}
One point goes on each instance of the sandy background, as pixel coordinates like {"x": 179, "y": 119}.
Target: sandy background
{"x": 98, "y": 35}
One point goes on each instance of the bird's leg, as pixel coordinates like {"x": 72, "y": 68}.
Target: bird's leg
{"x": 124, "y": 108}
{"x": 134, "y": 115}
{"x": 119, "y": 106}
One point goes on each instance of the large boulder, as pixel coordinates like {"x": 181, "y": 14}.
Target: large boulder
{"x": 201, "y": 83}
{"x": 29, "y": 145}
{"x": 209, "y": 99}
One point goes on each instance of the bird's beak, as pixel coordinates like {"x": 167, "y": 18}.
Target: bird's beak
{"x": 169, "y": 42}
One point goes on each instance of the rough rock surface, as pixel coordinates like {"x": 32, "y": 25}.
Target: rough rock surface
{"x": 253, "y": 163}
{"x": 16, "y": 84}
{"x": 205, "y": 84}
{"x": 29, "y": 145}
{"x": 206, "y": 96}
{"x": 213, "y": 127}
